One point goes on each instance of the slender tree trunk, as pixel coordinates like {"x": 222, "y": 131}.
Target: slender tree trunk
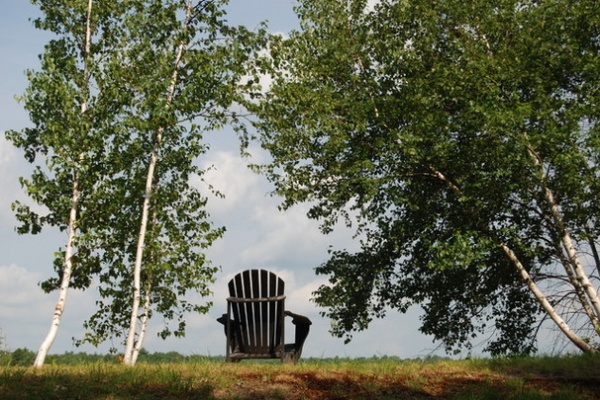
{"x": 581, "y": 279}
{"x": 539, "y": 295}
{"x": 581, "y": 276}
{"x": 65, "y": 280}
{"x": 581, "y": 295}
{"x": 129, "y": 358}
{"x": 137, "y": 268}
{"x": 143, "y": 328}
{"x": 594, "y": 249}
{"x": 71, "y": 228}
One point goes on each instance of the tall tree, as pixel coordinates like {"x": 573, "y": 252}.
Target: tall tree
{"x": 67, "y": 135}
{"x": 461, "y": 139}
{"x": 193, "y": 65}
{"x": 179, "y": 69}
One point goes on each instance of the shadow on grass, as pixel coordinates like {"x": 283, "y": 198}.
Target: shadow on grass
{"x": 96, "y": 383}
{"x": 324, "y": 384}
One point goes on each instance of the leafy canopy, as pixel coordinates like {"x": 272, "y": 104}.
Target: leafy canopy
{"x": 440, "y": 129}
{"x": 97, "y": 107}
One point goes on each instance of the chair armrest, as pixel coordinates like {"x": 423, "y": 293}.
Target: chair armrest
{"x": 234, "y": 325}
{"x": 298, "y": 319}
{"x": 223, "y": 319}
{"x": 302, "y": 328}
{"x": 234, "y": 337}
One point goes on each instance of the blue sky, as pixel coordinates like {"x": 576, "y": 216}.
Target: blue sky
{"x": 258, "y": 235}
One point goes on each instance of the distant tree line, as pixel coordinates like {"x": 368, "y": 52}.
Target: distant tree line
{"x": 23, "y": 357}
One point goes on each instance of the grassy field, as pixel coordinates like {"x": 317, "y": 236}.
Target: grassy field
{"x": 527, "y": 378}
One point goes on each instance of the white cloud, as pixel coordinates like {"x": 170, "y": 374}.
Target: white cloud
{"x": 18, "y": 287}
{"x": 10, "y": 165}
{"x": 290, "y": 236}
{"x": 299, "y": 299}
{"x": 371, "y": 4}
{"x": 26, "y": 311}
{"x": 229, "y": 175}
{"x": 7, "y": 153}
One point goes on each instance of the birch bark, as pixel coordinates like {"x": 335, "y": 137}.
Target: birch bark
{"x": 66, "y": 278}
{"x": 130, "y": 349}
{"x": 533, "y": 287}
{"x": 143, "y": 328}
{"x": 539, "y": 295}
{"x": 581, "y": 276}
{"x": 580, "y": 281}
{"x": 72, "y": 225}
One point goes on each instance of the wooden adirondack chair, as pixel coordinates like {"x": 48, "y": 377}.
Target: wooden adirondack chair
{"x": 254, "y": 323}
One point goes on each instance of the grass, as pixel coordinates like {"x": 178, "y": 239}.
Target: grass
{"x": 521, "y": 379}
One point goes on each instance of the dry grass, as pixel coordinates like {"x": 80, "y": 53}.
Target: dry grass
{"x": 532, "y": 378}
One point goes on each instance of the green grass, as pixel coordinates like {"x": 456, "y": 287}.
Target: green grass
{"x": 503, "y": 379}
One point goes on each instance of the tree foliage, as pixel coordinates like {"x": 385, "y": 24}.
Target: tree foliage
{"x": 461, "y": 141}
{"x": 124, "y": 93}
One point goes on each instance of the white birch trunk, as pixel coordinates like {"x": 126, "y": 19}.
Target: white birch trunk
{"x": 137, "y": 268}
{"x": 580, "y": 292}
{"x": 539, "y": 295}
{"x": 71, "y": 229}
{"x": 131, "y": 345}
{"x": 143, "y": 329}
{"x": 582, "y": 277}
{"x": 582, "y": 281}
{"x": 65, "y": 280}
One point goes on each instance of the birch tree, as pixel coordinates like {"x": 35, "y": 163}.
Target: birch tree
{"x": 180, "y": 68}
{"x": 461, "y": 140}
{"x": 65, "y": 135}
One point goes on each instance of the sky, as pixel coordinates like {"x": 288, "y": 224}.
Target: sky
{"x": 258, "y": 234}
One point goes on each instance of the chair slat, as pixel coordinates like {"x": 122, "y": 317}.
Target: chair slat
{"x": 249, "y": 311}
{"x": 279, "y": 308}
{"x": 236, "y": 290}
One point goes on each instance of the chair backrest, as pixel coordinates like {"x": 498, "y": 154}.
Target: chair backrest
{"x": 257, "y": 304}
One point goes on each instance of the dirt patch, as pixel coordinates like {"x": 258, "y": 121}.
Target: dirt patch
{"x": 340, "y": 385}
